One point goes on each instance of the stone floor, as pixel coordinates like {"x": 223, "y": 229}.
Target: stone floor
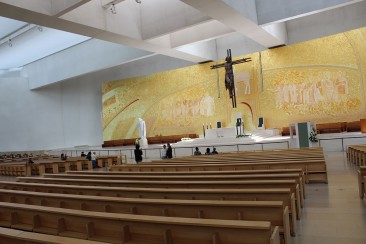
{"x": 333, "y": 212}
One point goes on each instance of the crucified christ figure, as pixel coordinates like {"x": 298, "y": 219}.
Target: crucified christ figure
{"x": 229, "y": 74}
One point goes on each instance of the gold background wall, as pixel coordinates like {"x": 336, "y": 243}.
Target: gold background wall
{"x": 320, "y": 80}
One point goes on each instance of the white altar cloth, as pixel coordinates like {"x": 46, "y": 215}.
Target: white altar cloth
{"x": 229, "y": 132}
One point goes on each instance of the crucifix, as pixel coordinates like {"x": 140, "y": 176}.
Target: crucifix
{"x": 229, "y": 74}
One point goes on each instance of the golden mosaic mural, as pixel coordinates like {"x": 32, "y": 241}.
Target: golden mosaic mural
{"x": 320, "y": 80}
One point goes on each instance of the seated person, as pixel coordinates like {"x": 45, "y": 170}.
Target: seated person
{"x": 208, "y": 151}
{"x": 197, "y": 152}
{"x": 214, "y": 151}
{"x": 83, "y": 154}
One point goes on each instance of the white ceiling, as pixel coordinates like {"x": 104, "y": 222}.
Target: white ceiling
{"x": 32, "y": 44}
{"x": 8, "y": 26}
{"x": 191, "y": 30}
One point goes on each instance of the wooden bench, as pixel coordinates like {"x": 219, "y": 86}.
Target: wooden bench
{"x": 215, "y": 160}
{"x": 289, "y": 176}
{"x": 248, "y": 157}
{"x": 313, "y": 170}
{"x": 188, "y": 173}
{"x": 299, "y": 154}
{"x": 249, "y": 184}
{"x": 356, "y": 154}
{"x": 42, "y": 166}
{"x": 272, "y": 211}
{"x": 271, "y": 194}
{"x": 13, "y": 236}
{"x": 361, "y": 173}
{"x": 125, "y": 228}
{"x": 108, "y": 161}
{"x": 364, "y": 190}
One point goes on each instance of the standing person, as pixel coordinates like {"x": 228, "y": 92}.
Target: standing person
{"x": 94, "y": 160}
{"x": 163, "y": 154}
{"x": 197, "y": 152}
{"x": 63, "y": 156}
{"x": 169, "y": 151}
{"x": 138, "y": 154}
{"x": 88, "y": 156}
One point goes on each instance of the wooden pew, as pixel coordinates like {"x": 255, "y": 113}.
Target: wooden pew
{"x": 249, "y": 157}
{"x": 249, "y": 184}
{"x": 272, "y": 211}
{"x": 13, "y": 236}
{"x": 42, "y": 166}
{"x": 239, "y": 184}
{"x": 278, "y": 154}
{"x": 188, "y": 173}
{"x": 356, "y": 154}
{"x": 198, "y": 160}
{"x": 135, "y": 229}
{"x": 364, "y": 189}
{"x": 313, "y": 170}
{"x": 103, "y": 161}
{"x": 272, "y": 194}
{"x": 293, "y": 176}
{"x": 361, "y": 173}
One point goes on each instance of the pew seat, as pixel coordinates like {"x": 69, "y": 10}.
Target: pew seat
{"x": 274, "y": 211}
{"x": 13, "y": 236}
{"x": 127, "y": 228}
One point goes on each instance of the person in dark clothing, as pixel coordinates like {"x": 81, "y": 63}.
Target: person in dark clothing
{"x": 83, "y": 154}
{"x": 63, "y": 156}
{"x": 208, "y": 151}
{"x": 138, "y": 154}
{"x": 214, "y": 151}
{"x": 169, "y": 152}
{"x": 197, "y": 152}
{"x": 88, "y": 156}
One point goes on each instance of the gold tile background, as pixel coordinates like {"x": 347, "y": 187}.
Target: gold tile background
{"x": 320, "y": 80}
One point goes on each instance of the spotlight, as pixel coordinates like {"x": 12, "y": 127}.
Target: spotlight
{"x": 10, "y": 43}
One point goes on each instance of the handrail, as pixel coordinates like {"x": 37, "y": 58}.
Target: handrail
{"x": 147, "y": 151}
{"x": 340, "y": 138}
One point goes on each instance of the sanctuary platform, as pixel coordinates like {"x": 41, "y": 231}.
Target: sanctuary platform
{"x": 258, "y": 140}
{"x": 229, "y": 136}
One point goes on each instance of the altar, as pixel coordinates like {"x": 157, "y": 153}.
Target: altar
{"x": 228, "y": 132}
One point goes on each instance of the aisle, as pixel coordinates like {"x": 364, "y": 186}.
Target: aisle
{"x": 334, "y": 213}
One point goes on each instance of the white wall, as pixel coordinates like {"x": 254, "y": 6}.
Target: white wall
{"x": 57, "y": 116}
{"x": 29, "y": 120}
{"x": 64, "y": 114}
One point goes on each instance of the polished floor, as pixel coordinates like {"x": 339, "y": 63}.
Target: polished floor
{"x": 333, "y": 212}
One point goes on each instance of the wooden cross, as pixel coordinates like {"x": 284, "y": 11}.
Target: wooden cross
{"x": 229, "y": 74}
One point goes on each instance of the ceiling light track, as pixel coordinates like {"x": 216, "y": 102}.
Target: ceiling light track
{"x": 9, "y": 38}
